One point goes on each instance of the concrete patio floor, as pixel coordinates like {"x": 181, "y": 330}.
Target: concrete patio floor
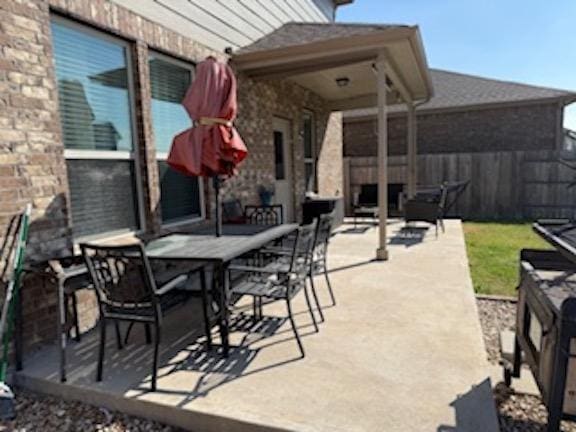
{"x": 401, "y": 351}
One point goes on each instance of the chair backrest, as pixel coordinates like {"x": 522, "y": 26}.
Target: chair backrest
{"x": 443, "y": 199}
{"x": 122, "y": 277}
{"x": 302, "y": 250}
{"x": 453, "y": 191}
{"x": 264, "y": 214}
{"x": 323, "y": 232}
{"x": 232, "y": 211}
{"x": 368, "y": 194}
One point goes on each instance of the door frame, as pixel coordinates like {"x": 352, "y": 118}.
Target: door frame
{"x": 285, "y": 125}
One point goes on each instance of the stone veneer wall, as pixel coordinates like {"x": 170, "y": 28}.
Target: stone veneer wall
{"x": 32, "y": 164}
{"x": 520, "y": 127}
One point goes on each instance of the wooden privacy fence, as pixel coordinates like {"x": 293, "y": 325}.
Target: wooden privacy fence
{"x": 503, "y": 185}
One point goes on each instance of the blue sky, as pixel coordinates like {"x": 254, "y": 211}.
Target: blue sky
{"x": 528, "y": 41}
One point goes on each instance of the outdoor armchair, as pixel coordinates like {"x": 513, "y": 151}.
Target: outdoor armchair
{"x": 277, "y": 282}
{"x": 128, "y": 291}
{"x": 433, "y": 204}
{"x": 427, "y": 206}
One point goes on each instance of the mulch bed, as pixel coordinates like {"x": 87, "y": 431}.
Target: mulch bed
{"x": 517, "y": 412}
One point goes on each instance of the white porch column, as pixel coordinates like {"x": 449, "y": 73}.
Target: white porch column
{"x": 382, "y": 251}
{"x": 412, "y": 152}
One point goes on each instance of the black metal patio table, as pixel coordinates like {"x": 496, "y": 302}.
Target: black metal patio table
{"x": 204, "y": 246}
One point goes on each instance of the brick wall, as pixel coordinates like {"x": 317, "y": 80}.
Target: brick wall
{"x": 528, "y": 127}
{"x": 31, "y": 155}
{"x": 259, "y": 103}
{"x": 32, "y": 164}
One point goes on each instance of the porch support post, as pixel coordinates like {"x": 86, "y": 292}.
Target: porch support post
{"x": 412, "y": 152}
{"x": 382, "y": 251}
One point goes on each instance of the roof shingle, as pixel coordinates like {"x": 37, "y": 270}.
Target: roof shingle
{"x": 453, "y": 90}
{"x": 295, "y": 33}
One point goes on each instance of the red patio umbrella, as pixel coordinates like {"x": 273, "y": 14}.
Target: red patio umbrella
{"x": 212, "y": 147}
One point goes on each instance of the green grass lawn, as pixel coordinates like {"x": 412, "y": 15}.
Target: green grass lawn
{"x": 493, "y": 251}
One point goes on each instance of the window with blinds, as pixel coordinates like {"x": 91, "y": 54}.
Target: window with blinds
{"x": 180, "y": 195}
{"x": 95, "y": 113}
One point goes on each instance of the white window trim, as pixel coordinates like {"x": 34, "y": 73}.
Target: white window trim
{"x": 99, "y": 154}
{"x": 311, "y": 160}
{"x": 162, "y": 156}
{"x": 76, "y": 154}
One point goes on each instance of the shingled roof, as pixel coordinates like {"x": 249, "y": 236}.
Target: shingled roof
{"x": 296, "y": 33}
{"x": 455, "y": 90}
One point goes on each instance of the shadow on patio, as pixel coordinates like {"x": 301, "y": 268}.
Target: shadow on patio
{"x": 396, "y": 352}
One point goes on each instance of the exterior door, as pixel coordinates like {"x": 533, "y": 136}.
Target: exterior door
{"x": 284, "y": 193}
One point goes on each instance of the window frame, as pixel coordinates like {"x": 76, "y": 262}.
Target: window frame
{"x": 163, "y": 156}
{"x": 133, "y": 155}
{"x": 313, "y": 160}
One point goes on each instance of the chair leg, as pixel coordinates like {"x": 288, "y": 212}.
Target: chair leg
{"x": 147, "y": 333}
{"x": 310, "y": 306}
{"x": 66, "y": 313}
{"x": 255, "y": 309}
{"x": 204, "y": 291}
{"x": 118, "y": 335}
{"x": 156, "y": 353}
{"x": 289, "y": 306}
{"x": 328, "y": 283}
{"x": 315, "y": 295}
{"x": 101, "y": 349}
{"x": 128, "y": 331}
{"x": 260, "y": 314}
{"x": 76, "y": 321}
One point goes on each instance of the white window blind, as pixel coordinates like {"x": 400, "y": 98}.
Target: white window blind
{"x": 180, "y": 195}
{"x": 95, "y": 113}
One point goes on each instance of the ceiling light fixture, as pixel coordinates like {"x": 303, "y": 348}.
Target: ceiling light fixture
{"x": 342, "y": 81}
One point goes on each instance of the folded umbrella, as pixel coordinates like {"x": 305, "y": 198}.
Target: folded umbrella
{"x": 211, "y": 147}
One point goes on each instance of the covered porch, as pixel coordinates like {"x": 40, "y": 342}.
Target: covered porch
{"x": 351, "y": 66}
{"x": 401, "y": 351}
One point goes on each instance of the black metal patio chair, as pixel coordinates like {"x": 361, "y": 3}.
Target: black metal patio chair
{"x": 278, "y": 283}
{"x": 432, "y": 204}
{"x": 319, "y": 264}
{"x": 232, "y": 212}
{"x": 366, "y": 202}
{"x": 318, "y": 259}
{"x": 128, "y": 291}
{"x": 427, "y": 206}
{"x": 454, "y": 190}
{"x": 264, "y": 214}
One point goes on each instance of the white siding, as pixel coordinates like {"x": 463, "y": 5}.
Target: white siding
{"x": 229, "y": 23}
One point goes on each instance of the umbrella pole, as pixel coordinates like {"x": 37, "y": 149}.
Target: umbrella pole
{"x": 217, "y": 206}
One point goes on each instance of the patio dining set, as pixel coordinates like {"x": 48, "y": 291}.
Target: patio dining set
{"x": 262, "y": 258}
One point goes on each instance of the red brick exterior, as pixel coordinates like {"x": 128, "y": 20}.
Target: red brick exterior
{"x": 32, "y": 164}
{"x": 519, "y": 127}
